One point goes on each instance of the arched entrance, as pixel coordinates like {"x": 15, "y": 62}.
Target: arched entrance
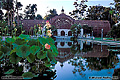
{"x": 62, "y": 43}
{"x": 69, "y": 43}
{"x": 70, "y": 33}
{"x": 62, "y": 33}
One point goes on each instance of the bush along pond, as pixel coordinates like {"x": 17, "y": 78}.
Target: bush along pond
{"x": 28, "y": 57}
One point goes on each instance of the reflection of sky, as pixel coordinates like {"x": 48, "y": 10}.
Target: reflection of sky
{"x": 65, "y": 73}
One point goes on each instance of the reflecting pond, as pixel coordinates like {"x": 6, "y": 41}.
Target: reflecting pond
{"x": 85, "y": 60}
{"x": 78, "y": 60}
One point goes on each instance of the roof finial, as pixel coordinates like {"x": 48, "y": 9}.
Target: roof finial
{"x": 62, "y": 10}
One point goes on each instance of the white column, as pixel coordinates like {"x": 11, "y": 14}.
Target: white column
{"x": 81, "y": 33}
{"x": 59, "y": 32}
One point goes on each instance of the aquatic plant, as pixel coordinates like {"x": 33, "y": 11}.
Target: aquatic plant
{"x": 23, "y": 48}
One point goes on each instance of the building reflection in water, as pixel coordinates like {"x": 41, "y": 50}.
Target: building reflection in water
{"x": 66, "y": 48}
{"x": 96, "y": 56}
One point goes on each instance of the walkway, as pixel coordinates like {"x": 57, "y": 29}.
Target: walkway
{"x": 111, "y": 42}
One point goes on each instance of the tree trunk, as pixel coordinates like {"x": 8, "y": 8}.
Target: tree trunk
{"x": 11, "y": 19}
{"x": 17, "y": 14}
{"x": 8, "y": 19}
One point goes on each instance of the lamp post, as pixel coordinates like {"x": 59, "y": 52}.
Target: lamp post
{"x": 92, "y": 34}
{"x": 101, "y": 34}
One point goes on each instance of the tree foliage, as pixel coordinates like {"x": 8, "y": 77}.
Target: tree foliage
{"x": 80, "y": 9}
{"x": 30, "y": 11}
{"x": 115, "y": 31}
{"x": 52, "y": 14}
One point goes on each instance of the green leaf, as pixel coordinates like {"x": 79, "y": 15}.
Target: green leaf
{"x": 31, "y": 58}
{"x": 32, "y": 42}
{"x": 14, "y": 58}
{"x": 34, "y": 49}
{"x": 54, "y": 50}
{"x": 28, "y": 75}
{"x": 20, "y": 41}
{"x": 10, "y": 71}
{"x": 14, "y": 38}
{"x": 1, "y": 54}
{"x": 47, "y": 64}
{"x": 6, "y": 50}
{"x": 41, "y": 55}
{"x": 23, "y": 36}
{"x": 42, "y": 40}
{"x": 35, "y": 75}
{"x": 10, "y": 40}
{"x": 23, "y": 50}
{"x": 51, "y": 41}
{"x": 50, "y": 55}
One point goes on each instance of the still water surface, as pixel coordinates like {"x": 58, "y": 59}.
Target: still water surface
{"x": 80, "y": 60}
{"x": 83, "y": 60}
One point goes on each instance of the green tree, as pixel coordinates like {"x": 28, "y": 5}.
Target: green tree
{"x": 52, "y": 14}
{"x": 75, "y": 30}
{"x": 39, "y": 17}
{"x": 30, "y": 11}
{"x": 115, "y": 31}
{"x": 80, "y": 9}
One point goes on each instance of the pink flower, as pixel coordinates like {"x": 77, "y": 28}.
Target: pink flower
{"x": 47, "y": 21}
{"x": 47, "y": 46}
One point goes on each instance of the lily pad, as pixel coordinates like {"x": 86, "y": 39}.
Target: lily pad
{"x": 34, "y": 49}
{"x": 20, "y": 41}
{"x": 31, "y": 58}
{"x": 23, "y": 50}
{"x": 41, "y": 55}
{"x": 14, "y": 58}
{"x": 6, "y": 50}
{"x": 51, "y": 41}
{"x": 28, "y": 75}
{"x": 32, "y": 42}
{"x": 42, "y": 40}
{"x": 10, "y": 71}
{"x": 10, "y": 40}
{"x": 23, "y": 36}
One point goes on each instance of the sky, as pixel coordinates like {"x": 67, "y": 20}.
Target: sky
{"x": 45, "y": 5}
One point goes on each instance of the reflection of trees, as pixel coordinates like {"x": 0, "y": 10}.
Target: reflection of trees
{"x": 95, "y": 63}
{"x": 117, "y": 73}
{"x": 86, "y": 47}
{"x": 79, "y": 67}
{"x": 75, "y": 48}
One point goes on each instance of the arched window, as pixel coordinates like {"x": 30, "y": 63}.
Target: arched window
{"x": 62, "y": 43}
{"x": 70, "y": 33}
{"x": 62, "y": 33}
{"x": 69, "y": 43}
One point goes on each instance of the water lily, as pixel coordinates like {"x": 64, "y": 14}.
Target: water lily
{"x": 48, "y": 25}
{"x": 47, "y": 21}
{"x": 49, "y": 34}
{"x": 49, "y": 31}
{"x": 47, "y": 46}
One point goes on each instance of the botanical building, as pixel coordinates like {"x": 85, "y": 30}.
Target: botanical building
{"x": 64, "y": 22}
